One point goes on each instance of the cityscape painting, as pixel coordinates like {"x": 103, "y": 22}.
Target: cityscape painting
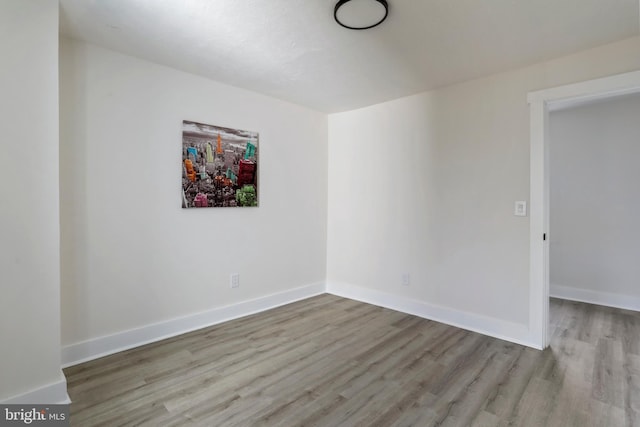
{"x": 219, "y": 166}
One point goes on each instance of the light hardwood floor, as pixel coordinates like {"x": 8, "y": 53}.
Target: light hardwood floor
{"x": 329, "y": 361}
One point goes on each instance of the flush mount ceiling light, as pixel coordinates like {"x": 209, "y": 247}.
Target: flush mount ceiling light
{"x": 360, "y": 14}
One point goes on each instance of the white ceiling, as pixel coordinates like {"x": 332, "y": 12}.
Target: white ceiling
{"x": 294, "y": 50}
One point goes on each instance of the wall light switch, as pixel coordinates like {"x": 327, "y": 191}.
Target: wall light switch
{"x": 520, "y": 209}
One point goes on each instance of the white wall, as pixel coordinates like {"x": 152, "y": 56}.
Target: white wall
{"x": 131, "y": 256}
{"x": 595, "y": 201}
{"x": 427, "y": 184}
{"x": 29, "y": 218}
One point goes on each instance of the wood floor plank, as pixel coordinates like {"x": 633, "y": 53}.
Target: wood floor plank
{"x": 331, "y": 361}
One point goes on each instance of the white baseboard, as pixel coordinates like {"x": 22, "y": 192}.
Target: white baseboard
{"x": 626, "y": 302}
{"x": 513, "y": 332}
{"x": 76, "y": 353}
{"x": 54, "y": 393}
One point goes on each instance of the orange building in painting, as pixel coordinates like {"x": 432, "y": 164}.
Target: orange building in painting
{"x": 219, "y": 146}
{"x": 191, "y": 173}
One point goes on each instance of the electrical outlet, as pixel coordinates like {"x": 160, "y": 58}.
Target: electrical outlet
{"x": 235, "y": 280}
{"x": 520, "y": 208}
{"x": 406, "y": 279}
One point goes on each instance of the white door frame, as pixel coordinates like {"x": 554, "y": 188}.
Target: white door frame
{"x": 540, "y": 103}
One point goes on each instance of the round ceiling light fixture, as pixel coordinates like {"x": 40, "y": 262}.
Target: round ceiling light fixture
{"x": 360, "y": 14}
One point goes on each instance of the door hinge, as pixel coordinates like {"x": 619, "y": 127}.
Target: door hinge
{"x": 544, "y": 236}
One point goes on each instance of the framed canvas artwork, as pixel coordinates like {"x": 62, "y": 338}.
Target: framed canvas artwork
{"x": 219, "y": 166}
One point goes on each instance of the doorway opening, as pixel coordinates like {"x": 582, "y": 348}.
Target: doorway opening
{"x": 540, "y": 104}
